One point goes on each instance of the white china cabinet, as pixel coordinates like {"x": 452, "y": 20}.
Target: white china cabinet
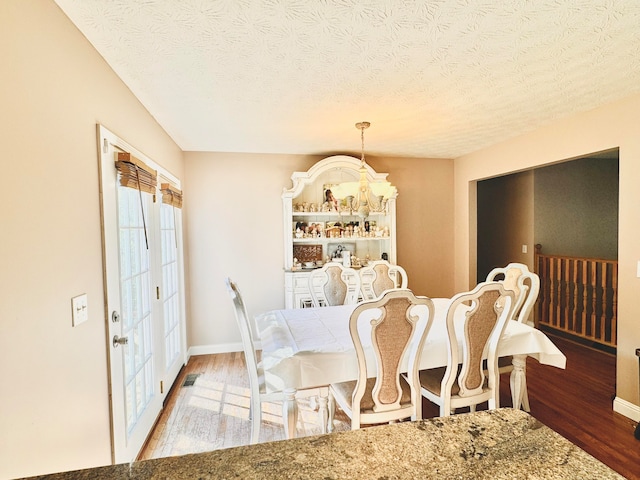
{"x": 317, "y": 229}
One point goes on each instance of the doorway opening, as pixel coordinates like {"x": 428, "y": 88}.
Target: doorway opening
{"x": 570, "y": 208}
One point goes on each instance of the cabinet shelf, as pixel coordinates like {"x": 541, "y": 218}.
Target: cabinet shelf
{"x": 339, "y": 239}
{"x": 335, "y": 214}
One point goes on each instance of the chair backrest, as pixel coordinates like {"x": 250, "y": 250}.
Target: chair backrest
{"x": 334, "y": 284}
{"x": 480, "y": 332}
{"x": 247, "y": 338}
{"x": 379, "y": 276}
{"x": 524, "y": 283}
{"x": 397, "y": 324}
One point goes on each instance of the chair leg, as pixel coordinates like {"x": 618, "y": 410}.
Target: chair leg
{"x": 323, "y": 413}
{"x": 332, "y": 412}
{"x": 255, "y": 413}
{"x": 355, "y": 421}
{"x": 494, "y": 401}
{"x": 525, "y": 395}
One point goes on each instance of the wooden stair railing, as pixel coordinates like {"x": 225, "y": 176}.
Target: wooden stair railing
{"x": 578, "y": 296}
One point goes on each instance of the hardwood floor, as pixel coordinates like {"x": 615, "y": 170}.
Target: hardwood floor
{"x": 213, "y": 413}
{"x": 578, "y": 404}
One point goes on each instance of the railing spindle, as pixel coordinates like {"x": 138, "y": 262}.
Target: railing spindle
{"x": 552, "y": 288}
{"x": 614, "y": 304}
{"x": 593, "y": 298}
{"x": 603, "y": 311}
{"x": 574, "y": 303}
{"x": 567, "y": 276}
{"x": 585, "y": 297}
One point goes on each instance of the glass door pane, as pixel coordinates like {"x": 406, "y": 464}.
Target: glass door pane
{"x": 170, "y": 285}
{"x": 136, "y": 297}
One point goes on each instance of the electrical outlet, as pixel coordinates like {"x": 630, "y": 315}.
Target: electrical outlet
{"x": 79, "y": 310}
{"x": 524, "y": 249}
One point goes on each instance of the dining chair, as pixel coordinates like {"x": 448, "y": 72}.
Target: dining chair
{"x": 526, "y": 286}
{"x": 380, "y": 275}
{"x": 395, "y": 325}
{"x": 257, "y": 385}
{"x": 464, "y": 382}
{"x": 524, "y": 283}
{"x": 334, "y": 284}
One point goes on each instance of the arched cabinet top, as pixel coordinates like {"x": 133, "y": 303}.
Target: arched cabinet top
{"x": 350, "y": 165}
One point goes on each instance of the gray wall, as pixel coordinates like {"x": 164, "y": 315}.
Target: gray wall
{"x": 576, "y": 208}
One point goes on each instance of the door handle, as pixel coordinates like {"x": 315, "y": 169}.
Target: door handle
{"x": 119, "y": 341}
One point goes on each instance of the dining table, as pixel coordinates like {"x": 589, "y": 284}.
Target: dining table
{"x": 311, "y": 347}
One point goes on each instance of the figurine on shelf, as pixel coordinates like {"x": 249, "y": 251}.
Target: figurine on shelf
{"x": 331, "y": 200}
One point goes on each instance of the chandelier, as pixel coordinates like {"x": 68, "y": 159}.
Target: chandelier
{"x": 363, "y": 196}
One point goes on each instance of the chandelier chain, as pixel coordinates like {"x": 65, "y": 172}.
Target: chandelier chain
{"x": 362, "y": 126}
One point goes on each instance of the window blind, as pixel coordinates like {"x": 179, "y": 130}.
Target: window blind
{"x": 134, "y": 173}
{"x": 171, "y": 195}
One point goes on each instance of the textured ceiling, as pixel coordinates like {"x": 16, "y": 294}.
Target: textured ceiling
{"x": 437, "y": 78}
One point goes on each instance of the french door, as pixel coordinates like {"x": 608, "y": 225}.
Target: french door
{"x": 144, "y": 298}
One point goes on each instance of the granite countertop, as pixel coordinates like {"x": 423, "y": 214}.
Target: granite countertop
{"x": 498, "y": 444}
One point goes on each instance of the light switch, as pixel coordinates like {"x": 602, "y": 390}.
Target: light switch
{"x": 638, "y": 270}
{"x": 524, "y": 249}
{"x": 79, "y": 310}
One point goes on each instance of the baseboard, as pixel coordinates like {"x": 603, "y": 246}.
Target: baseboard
{"x": 627, "y": 409}
{"x": 219, "y": 348}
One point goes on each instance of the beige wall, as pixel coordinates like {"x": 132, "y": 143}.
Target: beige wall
{"x": 615, "y": 125}
{"x": 235, "y": 225}
{"x": 424, "y": 221}
{"x": 505, "y": 200}
{"x": 54, "y": 412}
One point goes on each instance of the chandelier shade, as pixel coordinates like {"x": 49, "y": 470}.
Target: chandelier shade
{"x": 363, "y": 196}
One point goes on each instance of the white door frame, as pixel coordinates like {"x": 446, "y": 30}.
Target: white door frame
{"x": 125, "y": 446}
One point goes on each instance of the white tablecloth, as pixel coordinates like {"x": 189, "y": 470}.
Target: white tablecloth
{"x": 312, "y": 347}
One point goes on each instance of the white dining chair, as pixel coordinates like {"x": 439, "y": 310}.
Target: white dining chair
{"x": 464, "y": 382}
{"x": 334, "y": 284}
{"x": 524, "y": 283}
{"x": 396, "y": 325}
{"x": 257, "y": 385}
{"x": 526, "y": 286}
{"x": 380, "y": 275}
